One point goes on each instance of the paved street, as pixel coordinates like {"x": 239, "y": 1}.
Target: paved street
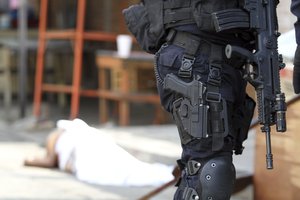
{"x": 26, "y": 183}
{"x": 20, "y": 139}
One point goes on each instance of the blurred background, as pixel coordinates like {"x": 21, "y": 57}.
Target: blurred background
{"x": 59, "y": 60}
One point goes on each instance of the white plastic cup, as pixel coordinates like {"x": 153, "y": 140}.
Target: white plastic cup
{"x": 124, "y": 43}
{"x": 4, "y": 21}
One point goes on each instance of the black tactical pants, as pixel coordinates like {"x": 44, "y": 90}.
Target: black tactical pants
{"x": 168, "y": 60}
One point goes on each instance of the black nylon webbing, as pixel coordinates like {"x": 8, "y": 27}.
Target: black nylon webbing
{"x": 189, "y": 42}
{"x": 214, "y": 97}
{"x": 173, "y": 16}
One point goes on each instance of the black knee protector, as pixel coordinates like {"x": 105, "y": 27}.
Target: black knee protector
{"x": 217, "y": 178}
{"x": 209, "y": 179}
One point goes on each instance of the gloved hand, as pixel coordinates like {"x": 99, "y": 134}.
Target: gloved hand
{"x": 296, "y": 73}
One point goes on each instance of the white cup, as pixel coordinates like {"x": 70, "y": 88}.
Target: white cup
{"x": 4, "y": 21}
{"x": 124, "y": 43}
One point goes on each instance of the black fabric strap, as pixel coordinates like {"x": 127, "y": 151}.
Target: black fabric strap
{"x": 215, "y": 73}
{"x": 186, "y": 40}
{"x": 172, "y": 4}
{"x": 214, "y": 98}
{"x": 172, "y": 17}
{"x": 190, "y": 43}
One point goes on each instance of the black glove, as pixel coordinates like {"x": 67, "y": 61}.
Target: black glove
{"x": 296, "y": 73}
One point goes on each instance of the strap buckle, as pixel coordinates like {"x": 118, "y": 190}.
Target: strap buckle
{"x": 185, "y": 70}
{"x": 190, "y": 194}
{"x": 214, "y": 77}
{"x": 193, "y": 167}
{"x": 213, "y": 97}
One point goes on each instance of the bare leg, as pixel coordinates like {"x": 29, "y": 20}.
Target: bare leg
{"x": 47, "y": 162}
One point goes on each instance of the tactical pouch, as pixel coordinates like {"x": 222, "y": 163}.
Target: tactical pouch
{"x": 242, "y": 118}
{"x": 142, "y": 21}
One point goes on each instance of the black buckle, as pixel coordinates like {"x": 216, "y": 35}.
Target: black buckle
{"x": 193, "y": 167}
{"x": 190, "y": 194}
{"x": 213, "y": 97}
{"x": 214, "y": 77}
{"x": 185, "y": 70}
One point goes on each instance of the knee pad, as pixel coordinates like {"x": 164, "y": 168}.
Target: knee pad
{"x": 217, "y": 178}
{"x": 210, "y": 179}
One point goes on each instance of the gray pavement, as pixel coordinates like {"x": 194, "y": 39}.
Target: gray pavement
{"x": 149, "y": 143}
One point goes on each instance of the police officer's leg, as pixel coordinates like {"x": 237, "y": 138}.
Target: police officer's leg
{"x": 202, "y": 118}
{"x": 206, "y": 175}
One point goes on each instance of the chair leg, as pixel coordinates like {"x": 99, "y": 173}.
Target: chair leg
{"x": 7, "y": 80}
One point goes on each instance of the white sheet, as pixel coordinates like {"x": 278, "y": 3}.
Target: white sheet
{"x": 99, "y": 160}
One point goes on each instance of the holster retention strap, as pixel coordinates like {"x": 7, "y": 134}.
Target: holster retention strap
{"x": 217, "y": 105}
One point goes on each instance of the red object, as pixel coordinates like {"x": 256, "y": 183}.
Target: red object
{"x": 78, "y": 36}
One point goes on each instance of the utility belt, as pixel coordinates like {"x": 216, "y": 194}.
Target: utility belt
{"x": 150, "y": 20}
{"x": 179, "y": 12}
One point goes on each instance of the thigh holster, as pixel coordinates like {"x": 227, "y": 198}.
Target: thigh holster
{"x": 198, "y": 113}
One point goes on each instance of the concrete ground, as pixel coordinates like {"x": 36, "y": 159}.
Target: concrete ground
{"x": 150, "y": 143}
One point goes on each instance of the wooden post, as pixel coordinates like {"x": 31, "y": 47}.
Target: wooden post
{"x": 78, "y": 50}
{"x": 40, "y": 58}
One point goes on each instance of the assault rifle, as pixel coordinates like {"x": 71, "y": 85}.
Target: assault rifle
{"x": 262, "y": 66}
